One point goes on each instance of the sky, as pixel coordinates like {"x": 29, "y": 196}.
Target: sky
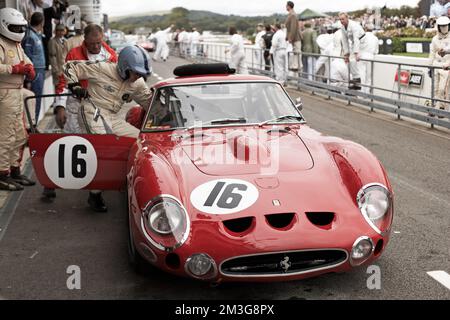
{"x": 245, "y": 8}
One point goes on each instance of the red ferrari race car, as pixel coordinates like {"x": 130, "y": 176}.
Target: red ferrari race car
{"x": 227, "y": 182}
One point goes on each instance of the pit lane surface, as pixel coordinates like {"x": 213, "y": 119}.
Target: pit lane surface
{"x": 42, "y": 240}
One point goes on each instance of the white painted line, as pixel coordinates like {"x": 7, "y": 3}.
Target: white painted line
{"x": 34, "y": 255}
{"x": 442, "y": 277}
{"x": 156, "y": 75}
{"x": 160, "y": 78}
{"x": 397, "y": 232}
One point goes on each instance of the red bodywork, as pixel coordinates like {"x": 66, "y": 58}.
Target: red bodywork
{"x": 316, "y": 174}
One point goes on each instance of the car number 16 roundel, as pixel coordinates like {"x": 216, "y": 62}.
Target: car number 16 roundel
{"x": 224, "y": 196}
{"x": 71, "y": 162}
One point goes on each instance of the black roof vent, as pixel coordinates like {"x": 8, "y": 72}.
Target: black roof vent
{"x": 203, "y": 69}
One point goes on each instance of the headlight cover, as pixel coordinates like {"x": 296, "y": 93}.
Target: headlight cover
{"x": 375, "y": 202}
{"x": 165, "y": 223}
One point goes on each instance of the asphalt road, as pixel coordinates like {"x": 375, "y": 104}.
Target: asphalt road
{"x": 42, "y": 240}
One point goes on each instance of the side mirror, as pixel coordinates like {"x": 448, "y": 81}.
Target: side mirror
{"x": 299, "y": 104}
{"x": 135, "y": 116}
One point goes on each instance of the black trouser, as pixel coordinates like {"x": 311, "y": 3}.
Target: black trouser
{"x": 268, "y": 60}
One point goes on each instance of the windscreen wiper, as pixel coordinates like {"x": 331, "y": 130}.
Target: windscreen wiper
{"x": 218, "y": 121}
{"x": 286, "y": 117}
{"x": 227, "y": 121}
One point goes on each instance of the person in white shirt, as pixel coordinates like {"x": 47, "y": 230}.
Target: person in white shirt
{"x": 438, "y": 8}
{"x": 236, "y": 50}
{"x": 339, "y": 69}
{"x": 278, "y": 51}
{"x": 28, "y": 7}
{"x": 323, "y": 42}
{"x": 162, "y": 49}
{"x": 371, "y": 49}
{"x": 195, "y": 41}
{"x": 182, "y": 39}
{"x": 188, "y": 42}
{"x": 439, "y": 59}
{"x": 258, "y": 47}
{"x": 353, "y": 44}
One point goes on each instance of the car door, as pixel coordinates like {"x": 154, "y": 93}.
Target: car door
{"x": 80, "y": 161}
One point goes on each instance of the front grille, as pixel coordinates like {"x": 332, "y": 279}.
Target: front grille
{"x": 281, "y": 220}
{"x": 240, "y": 225}
{"x": 283, "y": 263}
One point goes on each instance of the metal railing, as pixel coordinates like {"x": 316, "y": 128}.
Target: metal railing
{"x": 373, "y": 96}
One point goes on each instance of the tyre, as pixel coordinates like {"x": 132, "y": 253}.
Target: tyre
{"x": 139, "y": 264}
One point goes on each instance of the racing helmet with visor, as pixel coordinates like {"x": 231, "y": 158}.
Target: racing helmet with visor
{"x": 134, "y": 59}
{"x": 12, "y": 24}
{"x": 443, "y": 25}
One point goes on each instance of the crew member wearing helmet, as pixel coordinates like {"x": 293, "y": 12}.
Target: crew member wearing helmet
{"x": 110, "y": 86}
{"x": 14, "y": 67}
{"x": 440, "y": 42}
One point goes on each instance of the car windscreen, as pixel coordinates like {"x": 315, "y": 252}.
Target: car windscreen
{"x": 219, "y": 104}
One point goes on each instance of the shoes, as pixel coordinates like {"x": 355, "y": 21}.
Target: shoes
{"x": 8, "y": 184}
{"x": 20, "y": 178}
{"x": 49, "y": 193}
{"x": 354, "y": 84}
{"x": 96, "y": 202}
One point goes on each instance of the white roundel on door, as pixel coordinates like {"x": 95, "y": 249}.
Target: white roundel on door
{"x": 224, "y": 196}
{"x": 71, "y": 162}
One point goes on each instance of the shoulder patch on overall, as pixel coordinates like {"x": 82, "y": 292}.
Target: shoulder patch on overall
{"x": 126, "y": 97}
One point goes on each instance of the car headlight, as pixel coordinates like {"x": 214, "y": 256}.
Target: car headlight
{"x": 201, "y": 266}
{"x": 166, "y": 223}
{"x": 374, "y": 202}
{"x": 165, "y": 217}
{"x": 361, "y": 251}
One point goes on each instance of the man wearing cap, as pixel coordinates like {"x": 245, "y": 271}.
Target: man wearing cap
{"x": 77, "y": 39}
{"x": 56, "y": 52}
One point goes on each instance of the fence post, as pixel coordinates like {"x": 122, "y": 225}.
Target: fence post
{"x": 372, "y": 69}
{"x": 312, "y": 74}
{"x": 399, "y": 89}
{"x": 433, "y": 102}
{"x": 348, "y": 82}
{"x": 329, "y": 76}
{"x": 253, "y": 63}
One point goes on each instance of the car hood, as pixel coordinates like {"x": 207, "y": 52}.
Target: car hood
{"x": 251, "y": 150}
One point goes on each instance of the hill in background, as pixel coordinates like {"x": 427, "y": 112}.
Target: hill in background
{"x": 202, "y": 20}
{"x": 206, "y": 20}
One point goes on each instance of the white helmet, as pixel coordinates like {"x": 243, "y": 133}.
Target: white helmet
{"x": 12, "y": 24}
{"x": 443, "y": 24}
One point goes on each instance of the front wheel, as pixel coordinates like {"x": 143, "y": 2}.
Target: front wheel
{"x": 139, "y": 264}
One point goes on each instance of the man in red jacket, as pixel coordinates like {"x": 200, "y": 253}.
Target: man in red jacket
{"x": 93, "y": 49}
{"x": 66, "y": 108}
